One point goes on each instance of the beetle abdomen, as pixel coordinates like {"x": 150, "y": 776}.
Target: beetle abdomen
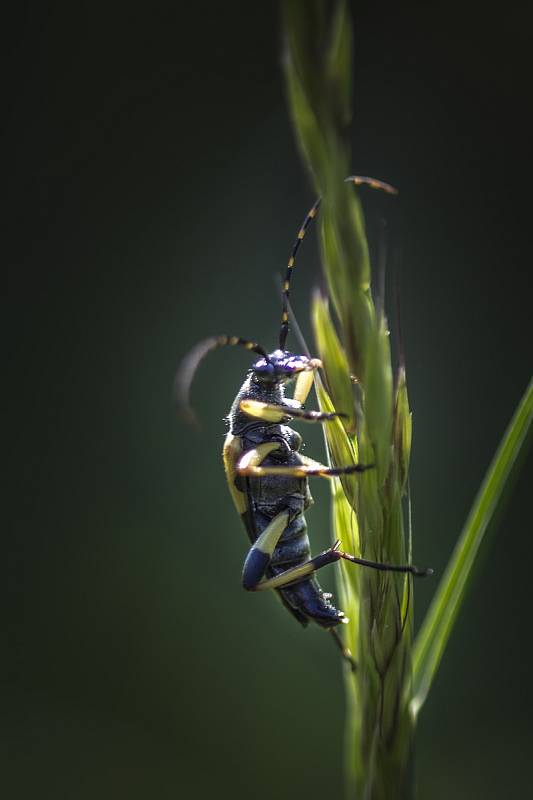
{"x": 268, "y": 496}
{"x": 306, "y": 597}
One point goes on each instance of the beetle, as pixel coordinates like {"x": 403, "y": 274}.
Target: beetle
{"x": 267, "y": 475}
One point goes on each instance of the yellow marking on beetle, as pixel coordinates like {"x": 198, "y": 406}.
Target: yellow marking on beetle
{"x": 262, "y": 472}
{"x": 285, "y": 317}
{"x": 313, "y": 213}
{"x": 304, "y": 381}
{"x": 268, "y": 540}
{"x": 289, "y": 576}
{"x": 286, "y": 286}
{"x": 222, "y": 340}
{"x": 260, "y": 410}
{"x": 253, "y": 458}
{"x": 301, "y": 233}
{"x": 250, "y": 345}
{"x": 290, "y": 265}
{"x": 231, "y": 452}
{"x": 316, "y": 470}
{"x": 310, "y": 463}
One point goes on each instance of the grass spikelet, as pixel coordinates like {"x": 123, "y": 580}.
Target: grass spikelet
{"x": 384, "y": 695}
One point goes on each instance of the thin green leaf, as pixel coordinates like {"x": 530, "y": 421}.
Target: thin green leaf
{"x": 341, "y": 448}
{"x": 402, "y": 429}
{"x": 378, "y": 396}
{"x": 310, "y": 102}
{"x": 439, "y": 620}
{"x": 339, "y": 67}
{"x": 343, "y": 241}
{"x": 309, "y": 136}
{"x": 334, "y": 360}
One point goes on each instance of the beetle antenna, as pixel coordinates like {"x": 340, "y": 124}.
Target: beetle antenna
{"x": 363, "y": 180}
{"x": 191, "y": 362}
{"x": 358, "y": 180}
{"x": 311, "y": 214}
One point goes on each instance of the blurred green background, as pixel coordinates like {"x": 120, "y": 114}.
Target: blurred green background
{"x": 154, "y": 191}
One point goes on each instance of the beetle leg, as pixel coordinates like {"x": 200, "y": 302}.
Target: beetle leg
{"x": 253, "y": 458}
{"x": 271, "y": 412}
{"x": 304, "y": 381}
{"x": 259, "y": 555}
{"x": 379, "y": 565}
{"x": 302, "y": 571}
{"x": 308, "y": 469}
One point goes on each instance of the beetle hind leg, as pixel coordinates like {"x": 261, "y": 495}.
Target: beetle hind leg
{"x": 260, "y": 553}
{"x": 330, "y": 556}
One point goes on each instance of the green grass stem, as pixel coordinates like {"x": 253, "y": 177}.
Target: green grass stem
{"x": 385, "y": 694}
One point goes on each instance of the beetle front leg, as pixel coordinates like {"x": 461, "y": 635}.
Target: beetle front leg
{"x": 304, "y": 381}
{"x": 270, "y": 412}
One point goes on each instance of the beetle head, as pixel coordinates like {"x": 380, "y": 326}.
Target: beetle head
{"x": 282, "y": 366}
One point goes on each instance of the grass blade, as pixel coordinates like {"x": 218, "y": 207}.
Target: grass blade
{"x": 438, "y": 623}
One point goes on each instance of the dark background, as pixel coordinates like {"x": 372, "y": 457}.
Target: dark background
{"x": 154, "y": 189}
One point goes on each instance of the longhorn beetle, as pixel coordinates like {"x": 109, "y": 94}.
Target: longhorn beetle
{"x": 268, "y": 476}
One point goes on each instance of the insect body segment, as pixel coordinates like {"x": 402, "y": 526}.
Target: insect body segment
{"x": 268, "y": 470}
{"x": 268, "y": 477}
{"x": 279, "y": 495}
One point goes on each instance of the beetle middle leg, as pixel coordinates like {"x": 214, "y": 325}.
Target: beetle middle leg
{"x": 307, "y": 469}
{"x": 250, "y": 465}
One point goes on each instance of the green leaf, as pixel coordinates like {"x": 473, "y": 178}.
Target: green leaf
{"x": 402, "y": 429}
{"x": 306, "y": 124}
{"x": 342, "y": 449}
{"x": 310, "y": 101}
{"x": 334, "y": 360}
{"x": 378, "y": 396}
{"x": 441, "y": 615}
{"x": 343, "y": 241}
{"x": 339, "y": 67}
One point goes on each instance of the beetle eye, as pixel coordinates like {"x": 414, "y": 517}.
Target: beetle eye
{"x": 264, "y": 369}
